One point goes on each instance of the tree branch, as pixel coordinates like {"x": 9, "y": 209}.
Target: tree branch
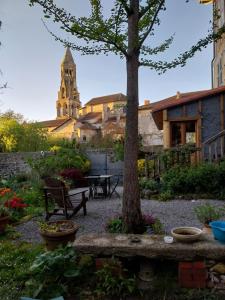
{"x": 125, "y": 6}
{"x": 162, "y": 66}
{"x": 85, "y": 32}
{"x": 152, "y": 23}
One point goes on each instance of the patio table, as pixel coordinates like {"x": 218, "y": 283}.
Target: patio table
{"x": 106, "y": 182}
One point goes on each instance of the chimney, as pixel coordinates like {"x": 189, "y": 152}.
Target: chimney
{"x": 146, "y": 102}
{"x": 178, "y": 95}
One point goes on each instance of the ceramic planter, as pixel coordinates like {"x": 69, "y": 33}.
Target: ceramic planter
{"x": 59, "y": 238}
{"x": 4, "y": 221}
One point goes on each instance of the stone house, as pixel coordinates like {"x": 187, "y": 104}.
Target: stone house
{"x": 151, "y": 136}
{"x": 195, "y": 118}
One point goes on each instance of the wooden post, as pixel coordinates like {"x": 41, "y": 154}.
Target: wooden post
{"x": 199, "y": 131}
{"x": 215, "y": 150}
{"x": 210, "y": 153}
{"x": 166, "y": 130}
{"x": 222, "y": 122}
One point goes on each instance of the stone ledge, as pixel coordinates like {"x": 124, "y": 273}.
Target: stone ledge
{"x": 152, "y": 247}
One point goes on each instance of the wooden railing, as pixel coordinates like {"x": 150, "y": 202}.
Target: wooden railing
{"x": 162, "y": 161}
{"x": 213, "y": 149}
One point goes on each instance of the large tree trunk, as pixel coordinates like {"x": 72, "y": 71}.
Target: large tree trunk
{"x": 131, "y": 196}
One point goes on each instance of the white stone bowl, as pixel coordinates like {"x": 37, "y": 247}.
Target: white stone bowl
{"x": 186, "y": 234}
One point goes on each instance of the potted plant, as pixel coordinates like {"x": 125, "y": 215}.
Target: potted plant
{"x": 4, "y": 218}
{"x": 58, "y": 233}
{"x": 207, "y": 213}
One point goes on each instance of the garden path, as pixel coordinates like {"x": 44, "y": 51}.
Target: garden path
{"x": 172, "y": 214}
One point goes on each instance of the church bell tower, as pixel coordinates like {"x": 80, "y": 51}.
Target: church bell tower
{"x": 68, "y": 101}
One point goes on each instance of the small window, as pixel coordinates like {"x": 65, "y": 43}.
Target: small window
{"x": 84, "y": 138}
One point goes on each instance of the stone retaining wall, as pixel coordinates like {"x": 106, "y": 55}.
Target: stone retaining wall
{"x": 13, "y": 163}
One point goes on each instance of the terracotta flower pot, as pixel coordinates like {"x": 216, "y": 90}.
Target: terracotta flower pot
{"x": 60, "y": 238}
{"x": 4, "y": 221}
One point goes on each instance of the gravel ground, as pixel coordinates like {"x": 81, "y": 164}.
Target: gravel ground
{"x": 172, "y": 214}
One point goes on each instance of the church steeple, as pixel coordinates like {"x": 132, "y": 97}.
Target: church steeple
{"x": 68, "y": 101}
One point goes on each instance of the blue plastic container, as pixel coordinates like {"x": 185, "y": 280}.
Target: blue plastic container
{"x": 218, "y": 229}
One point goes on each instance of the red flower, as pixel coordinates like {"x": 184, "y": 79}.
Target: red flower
{"x": 15, "y": 202}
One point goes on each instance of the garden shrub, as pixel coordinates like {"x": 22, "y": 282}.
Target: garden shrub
{"x": 111, "y": 284}
{"x": 63, "y": 159}
{"x": 201, "y": 179}
{"x": 141, "y": 166}
{"x": 71, "y": 270}
{"x": 15, "y": 260}
{"x": 149, "y": 184}
{"x": 151, "y": 225}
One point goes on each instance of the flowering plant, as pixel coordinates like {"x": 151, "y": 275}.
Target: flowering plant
{"x": 75, "y": 175}
{"x": 4, "y": 191}
{"x": 15, "y": 202}
{"x": 16, "y": 208}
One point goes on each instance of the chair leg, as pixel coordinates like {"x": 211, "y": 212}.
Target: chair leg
{"x": 85, "y": 209}
{"x": 84, "y": 200}
{"x": 47, "y": 217}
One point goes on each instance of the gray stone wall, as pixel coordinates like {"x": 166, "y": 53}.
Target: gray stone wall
{"x": 14, "y": 163}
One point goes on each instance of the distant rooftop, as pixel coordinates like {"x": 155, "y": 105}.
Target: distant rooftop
{"x": 107, "y": 99}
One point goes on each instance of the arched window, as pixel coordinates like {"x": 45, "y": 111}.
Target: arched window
{"x": 64, "y": 109}
{"x": 63, "y": 92}
{"x": 71, "y": 110}
{"x": 59, "y": 110}
{"x": 84, "y": 138}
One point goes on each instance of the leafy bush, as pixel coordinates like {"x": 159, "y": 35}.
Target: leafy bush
{"x": 149, "y": 184}
{"x": 142, "y": 164}
{"x": 118, "y": 148}
{"x": 15, "y": 260}
{"x": 111, "y": 284}
{"x": 165, "y": 196}
{"x": 150, "y": 225}
{"x": 64, "y": 159}
{"x": 52, "y": 272}
{"x": 21, "y": 136}
{"x": 115, "y": 225}
{"x": 204, "y": 178}
{"x": 207, "y": 213}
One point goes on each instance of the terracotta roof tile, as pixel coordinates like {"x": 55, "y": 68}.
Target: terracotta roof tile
{"x": 107, "y": 99}
{"x": 53, "y": 123}
{"x": 185, "y": 98}
{"x": 89, "y": 116}
{"x": 146, "y": 106}
{"x": 87, "y": 126}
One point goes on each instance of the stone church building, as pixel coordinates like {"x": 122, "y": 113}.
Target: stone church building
{"x": 105, "y": 115}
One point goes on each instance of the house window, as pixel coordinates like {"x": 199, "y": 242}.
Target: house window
{"x": 84, "y": 138}
{"x": 183, "y": 133}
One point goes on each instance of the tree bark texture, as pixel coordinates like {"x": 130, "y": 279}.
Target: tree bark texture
{"x": 131, "y": 196}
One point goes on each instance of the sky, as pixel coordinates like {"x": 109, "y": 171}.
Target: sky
{"x": 30, "y": 58}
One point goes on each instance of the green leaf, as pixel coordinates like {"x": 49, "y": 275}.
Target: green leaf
{"x": 72, "y": 273}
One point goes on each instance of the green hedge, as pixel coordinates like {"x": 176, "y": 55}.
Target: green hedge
{"x": 201, "y": 179}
